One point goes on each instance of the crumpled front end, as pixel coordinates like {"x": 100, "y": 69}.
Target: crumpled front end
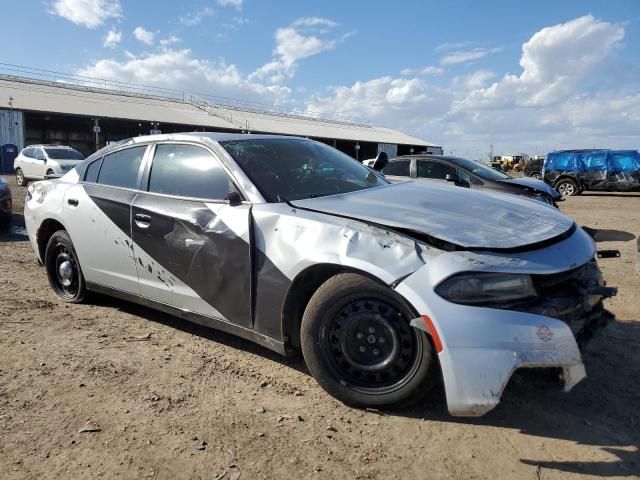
{"x": 479, "y": 347}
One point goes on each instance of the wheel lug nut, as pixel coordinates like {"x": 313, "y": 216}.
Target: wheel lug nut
{"x": 362, "y": 349}
{"x": 376, "y": 351}
{"x": 381, "y": 340}
{"x": 372, "y": 330}
{"x": 359, "y": 335}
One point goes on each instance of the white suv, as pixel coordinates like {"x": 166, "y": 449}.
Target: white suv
{"x": 37, "y": 161}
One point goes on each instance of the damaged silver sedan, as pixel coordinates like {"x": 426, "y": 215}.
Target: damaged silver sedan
{"x": 385, "y": 288}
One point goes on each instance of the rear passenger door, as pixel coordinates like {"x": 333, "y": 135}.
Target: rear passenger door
{"x": 97, "y": 215}
{"x": 192, "y": 247}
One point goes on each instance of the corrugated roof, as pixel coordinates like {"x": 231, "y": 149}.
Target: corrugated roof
{"x": 34, "y": 95}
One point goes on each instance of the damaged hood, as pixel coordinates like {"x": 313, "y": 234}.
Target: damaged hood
{"x": 461, "y": 216}
{"x": 533, "y": 184}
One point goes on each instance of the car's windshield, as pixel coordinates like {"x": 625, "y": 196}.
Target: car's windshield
{"x": 482, "y": 171}
{"x": 64, "y": 154}
{"x": 291, "y": 169}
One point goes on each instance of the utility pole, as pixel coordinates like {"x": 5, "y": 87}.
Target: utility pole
{"x": 96, "y": 130}
{"x": 490, "y": 152}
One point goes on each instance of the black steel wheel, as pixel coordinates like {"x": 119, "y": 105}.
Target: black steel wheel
{"x": 63, "y": 269}
{"x": 358, "y": 344}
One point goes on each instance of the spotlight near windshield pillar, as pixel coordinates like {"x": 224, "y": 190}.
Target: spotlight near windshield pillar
{"x": 411, "y": 150}
{"x": 357, "y": 147}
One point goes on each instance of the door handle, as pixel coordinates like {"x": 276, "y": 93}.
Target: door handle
{"x": 142, "y": 221}
{"x": 73, "y": 202}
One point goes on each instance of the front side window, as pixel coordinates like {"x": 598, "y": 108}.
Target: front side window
{"x": 29, "y": 152}
{"x": 429, "y": 169}
{"x": 399, "y": 168}
{"x": 188, "y": 171}
{"x": 39, "y": 154}
{"x": 121, "y": 169}
{"x": 291, "y": 169}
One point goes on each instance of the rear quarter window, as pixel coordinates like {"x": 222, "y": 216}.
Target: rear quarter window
{"x": 91, "y": 174}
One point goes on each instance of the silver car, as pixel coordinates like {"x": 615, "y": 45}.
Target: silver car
{"x": 35, "y": 162}
{"x": 385, "y": 288}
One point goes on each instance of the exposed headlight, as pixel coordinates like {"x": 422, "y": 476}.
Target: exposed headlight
{"x": 477, "y": 288}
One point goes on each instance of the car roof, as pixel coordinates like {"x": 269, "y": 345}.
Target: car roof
{"x": 426, "y": 157}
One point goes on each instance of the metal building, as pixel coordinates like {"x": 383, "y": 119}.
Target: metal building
{"x": 38, "y": 106}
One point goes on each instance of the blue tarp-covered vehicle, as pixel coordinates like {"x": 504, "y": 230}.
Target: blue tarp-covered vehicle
{"x": 574, "y": 171}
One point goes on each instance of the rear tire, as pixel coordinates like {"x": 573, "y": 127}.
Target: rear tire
{"x": 359, "y": 346}
{"x": 536, "y": 175}
{"x": 567, "y": 187}
{"x": 63, "y": 269}
{"x": 20, "y": 180}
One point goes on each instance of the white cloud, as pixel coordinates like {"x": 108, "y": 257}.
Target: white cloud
{"x": 555, "y": 61}
{"x": 113, "y": 38}
{"x": 195, "y": 18}
{"x": 467, "y": 55}
{"x": 180, "y": 70}
{"x": 314, "y": 22}
{"x": 560, "y": 98}
{"x": 230, "y": 3}
{"x": 144, "y": 35}
{"x": 428, "y": 70}
{"x": 87, "y": 13}
{"x": 172, "y": 40}
{"x": 304, "y": 38}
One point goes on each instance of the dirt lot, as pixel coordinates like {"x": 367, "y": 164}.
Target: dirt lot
{"x": 188, "y": 402}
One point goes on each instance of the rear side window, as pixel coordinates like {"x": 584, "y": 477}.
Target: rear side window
{"x": 91, "y": 174}
{"x": 188, "y": 171}
{"x": 401, "y": 168}
{"x": 428, "y": 169}
{"x": 120, "y": 169}
{"x": 624, "y": 161}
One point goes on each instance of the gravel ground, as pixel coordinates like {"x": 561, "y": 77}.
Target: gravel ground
{"x": 173, "y": 400}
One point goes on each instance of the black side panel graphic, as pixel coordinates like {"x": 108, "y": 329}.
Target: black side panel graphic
{"x": 271, "y": 286}
{"x": 115, "y": 203}
{"x": 194, "y": 245}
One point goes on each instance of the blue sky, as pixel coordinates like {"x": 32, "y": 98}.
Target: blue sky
{"x": 524, "y": 76}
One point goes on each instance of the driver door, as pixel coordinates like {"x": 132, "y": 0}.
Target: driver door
{"x": 192, "y": 247}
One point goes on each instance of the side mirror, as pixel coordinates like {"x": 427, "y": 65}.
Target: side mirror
{"x": 233, "y": 199}
{"x": 380, "y": 162}
{"x": 452, "y": 178}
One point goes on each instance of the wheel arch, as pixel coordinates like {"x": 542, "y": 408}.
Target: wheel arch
{"x": 302, "y": 288}
{"x": 300, "y": 291}
{"x": 567, "y": 177}
{"x": 47, "y": 228}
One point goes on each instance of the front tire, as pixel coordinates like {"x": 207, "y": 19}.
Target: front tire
{"x": 567, "y": 187}
{"x": 20, "y": 180}
{"x": 63, "y": 269}
{"x": 359, "y": 346}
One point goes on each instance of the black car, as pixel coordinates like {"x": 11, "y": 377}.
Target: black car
{"x": 6, "y": 203}
{"x": 469, "y": 174}
{"x": 533, "y": 168}
{"x": 574, "y": 171}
